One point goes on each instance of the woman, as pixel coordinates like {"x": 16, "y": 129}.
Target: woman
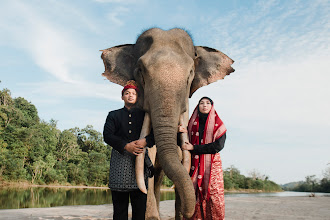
{"x": 207, "y": 135}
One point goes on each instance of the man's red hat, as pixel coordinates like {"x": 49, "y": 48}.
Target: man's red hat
{"x": 131, "y": 84}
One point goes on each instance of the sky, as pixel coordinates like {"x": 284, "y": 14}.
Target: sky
{"x": 275, "y": 105}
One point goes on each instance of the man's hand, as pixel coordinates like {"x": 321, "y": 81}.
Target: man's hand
{"x": 141, "y": 142}
{"x": 134, "y": 148}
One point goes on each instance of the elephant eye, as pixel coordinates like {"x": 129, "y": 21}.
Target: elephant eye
{"x": 138, "y": 71}
{"x": 139, "y": 75}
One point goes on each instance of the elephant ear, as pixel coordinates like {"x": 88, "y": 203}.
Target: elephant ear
{"x": 119, "y": 63}
{"x": 210, "y": 66}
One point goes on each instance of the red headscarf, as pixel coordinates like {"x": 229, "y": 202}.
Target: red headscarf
{"x": 201, "y": 164}
{"x": 131, "y": 84}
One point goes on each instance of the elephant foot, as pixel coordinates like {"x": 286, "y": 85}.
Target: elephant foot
{"x": 153, "y": 218}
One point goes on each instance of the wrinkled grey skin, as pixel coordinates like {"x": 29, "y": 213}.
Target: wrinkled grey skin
{"x": 168, "y": 69}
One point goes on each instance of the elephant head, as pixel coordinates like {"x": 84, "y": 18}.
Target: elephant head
{"x": 168, "y": 69}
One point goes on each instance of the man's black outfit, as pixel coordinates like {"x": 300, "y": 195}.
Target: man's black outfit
{"x": 123, "y": 126}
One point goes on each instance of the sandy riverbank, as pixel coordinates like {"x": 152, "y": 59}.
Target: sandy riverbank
{"x": 236, "y": 208}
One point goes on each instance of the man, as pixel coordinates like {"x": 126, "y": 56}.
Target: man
{"x": 122, "y": 131}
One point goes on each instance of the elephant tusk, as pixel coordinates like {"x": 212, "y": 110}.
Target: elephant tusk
{"x": 186, "y": 156}
{"x": 139, "y": 161}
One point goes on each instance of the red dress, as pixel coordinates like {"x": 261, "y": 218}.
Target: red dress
{"x": 206, "y": 169}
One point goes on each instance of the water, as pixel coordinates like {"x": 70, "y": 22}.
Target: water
{"x": 275, "y": 194}
{"x": 38, "y": 197}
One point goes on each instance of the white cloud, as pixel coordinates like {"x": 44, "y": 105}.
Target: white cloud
{"x": 52, "y": 47}
{"x": 82, "y": 89}
{"x": 83, "y": 117}
{"x": 116, "y": 13}
{"x": 281, "y": 70}
{"x": 286, "y": 29}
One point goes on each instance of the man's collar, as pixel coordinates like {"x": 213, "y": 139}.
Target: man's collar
{"x": 131, "y": 109}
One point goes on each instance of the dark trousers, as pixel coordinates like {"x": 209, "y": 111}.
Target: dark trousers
{"x": 120, "y": 202}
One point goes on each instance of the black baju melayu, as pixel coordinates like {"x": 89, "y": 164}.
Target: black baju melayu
{"x": 121, "y": 127}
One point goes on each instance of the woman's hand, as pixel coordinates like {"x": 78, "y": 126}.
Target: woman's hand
{"x": 182, "y": 129}
{"x": 187, "y": 146}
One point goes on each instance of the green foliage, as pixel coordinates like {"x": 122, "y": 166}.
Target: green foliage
{"x": 233, "y": 179}
{"x": 37, "y": 151}
{"x": 311, "y": 184}
{"x": 167, "y": 182}
{"x": 29, "y": 111}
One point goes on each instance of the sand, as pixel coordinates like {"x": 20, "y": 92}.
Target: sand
{"x": 236, "y": 208}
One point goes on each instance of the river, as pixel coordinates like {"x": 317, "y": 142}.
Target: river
{"x": 39, "y": 197}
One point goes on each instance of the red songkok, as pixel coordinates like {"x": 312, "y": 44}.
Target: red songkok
{"x": 131, "y": 84}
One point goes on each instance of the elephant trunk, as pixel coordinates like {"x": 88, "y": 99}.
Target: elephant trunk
{"x": 165, "y": 132}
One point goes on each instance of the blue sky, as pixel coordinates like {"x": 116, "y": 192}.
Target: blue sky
{"x": 275, "y": 105}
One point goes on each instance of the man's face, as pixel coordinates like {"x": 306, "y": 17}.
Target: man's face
{"x": 129, "y": 97}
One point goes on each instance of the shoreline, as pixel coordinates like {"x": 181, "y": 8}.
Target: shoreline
{"x": 30, "y": 185}
{"x": 260, "y": 208}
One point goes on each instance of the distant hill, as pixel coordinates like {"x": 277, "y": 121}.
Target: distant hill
{"x": 291, "y": 185}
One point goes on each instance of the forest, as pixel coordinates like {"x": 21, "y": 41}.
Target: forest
{"x": 36, "y": 151}
{"x": 312, "y": 184}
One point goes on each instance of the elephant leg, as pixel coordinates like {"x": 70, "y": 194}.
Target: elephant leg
{"x": 159, "y": 175}
{"x": 154, "y": 193}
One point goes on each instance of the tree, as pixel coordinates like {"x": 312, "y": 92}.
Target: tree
{"x": 98, "y": 168}
{"x": 8, "y": 112}
{"x": 167, "y": 182}
{"x": 77, "y": 168}
{"x": 37, "y": 170}
{"x": 5, "y": 97}
{"x": 30, "y": 113}
{"x": 255, "y": 174}
{"x": 237, "y": 180}
{"x": 67, "y": 145}
{"x": 233, "y": 179}
{"x": 90, "y": 139}
{"x": 311, "y": 181}
{"x": 326, "y": 172}
{"x": 3, "y": 154}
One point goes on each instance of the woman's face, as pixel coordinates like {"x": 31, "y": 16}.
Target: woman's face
{"x": 205, "y": 106}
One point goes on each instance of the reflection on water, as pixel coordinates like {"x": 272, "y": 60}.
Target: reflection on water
{"x": 38, "y": 197}
{"x": 167, "y": 195}
{"x": 14, "y": 198}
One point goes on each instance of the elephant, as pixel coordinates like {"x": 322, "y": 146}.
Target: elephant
{"x": 168, "y": 69}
